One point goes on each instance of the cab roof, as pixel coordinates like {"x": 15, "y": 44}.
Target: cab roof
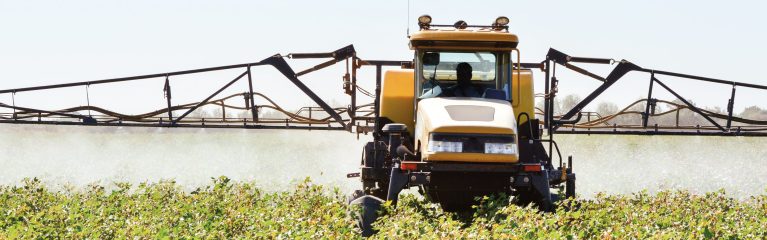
{"x": 452, "y": 37}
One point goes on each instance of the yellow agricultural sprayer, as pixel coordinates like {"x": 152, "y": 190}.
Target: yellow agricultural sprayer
{"x": 457, "y": 121}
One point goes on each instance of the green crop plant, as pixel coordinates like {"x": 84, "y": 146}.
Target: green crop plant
{"x": 229, "y": 210}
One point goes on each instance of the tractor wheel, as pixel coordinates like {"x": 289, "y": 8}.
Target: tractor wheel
{"x": 366, "y": 208}
{"x": 525, "y": 198}
{"x": 570, "y": 188}
{"x": 555, "y": 197}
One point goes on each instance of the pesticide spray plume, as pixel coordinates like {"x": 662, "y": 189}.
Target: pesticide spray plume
{"x": 79, "y": 156}
{"x": 277, "y": 159}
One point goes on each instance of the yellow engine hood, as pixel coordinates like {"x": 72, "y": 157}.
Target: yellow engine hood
{"x": 465, "y": 116}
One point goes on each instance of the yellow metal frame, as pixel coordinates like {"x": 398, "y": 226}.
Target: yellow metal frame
{"x": 462, "y": 48}
{"x": 464, "y": 35}
{"x": 515, "y": 103}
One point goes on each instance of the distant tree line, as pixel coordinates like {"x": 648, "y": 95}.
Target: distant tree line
{"x": 631, "y": 115}
{"x": 212, "y": 112}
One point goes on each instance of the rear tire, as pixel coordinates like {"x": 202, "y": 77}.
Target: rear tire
{"x": 367, "y": 213}
{"x": 526, "y": 197}
{"x": 570, "y": 188}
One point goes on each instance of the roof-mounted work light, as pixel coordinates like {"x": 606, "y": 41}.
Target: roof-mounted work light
{"x": 501, "y": 23}
{"x": 460, "y": 24}
{"x": 424, "y": 21}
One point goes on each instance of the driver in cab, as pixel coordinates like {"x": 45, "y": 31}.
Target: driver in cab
{"x": 463, "y": 88}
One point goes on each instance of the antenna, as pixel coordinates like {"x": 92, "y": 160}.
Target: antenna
{"x": 408, "y": 19}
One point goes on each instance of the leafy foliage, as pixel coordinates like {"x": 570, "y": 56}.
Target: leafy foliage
{"x": 240, "y": 210}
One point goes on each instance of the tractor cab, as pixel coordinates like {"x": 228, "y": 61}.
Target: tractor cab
{"x": 463, "y": 61}
{"x": 472, "y": 74}
{"x": 459, "y": 64}
{"x": 464, "y": 85}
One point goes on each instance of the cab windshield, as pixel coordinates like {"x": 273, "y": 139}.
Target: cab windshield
{"x": 457, "y": 74}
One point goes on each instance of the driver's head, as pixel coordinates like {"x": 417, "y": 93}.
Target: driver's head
{"x": 463, "y": 72}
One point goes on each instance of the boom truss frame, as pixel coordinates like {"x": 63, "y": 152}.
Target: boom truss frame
{"x": 359, "y": 116}
{"x": 571, "y": 122}
{"x": 364, "y": 118}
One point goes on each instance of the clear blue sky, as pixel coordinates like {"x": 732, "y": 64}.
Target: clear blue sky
{"x": 47, "y": 42}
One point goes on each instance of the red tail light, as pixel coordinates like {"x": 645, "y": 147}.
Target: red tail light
{"x": 531, "y": 167}
{"x": 408, "y": 166}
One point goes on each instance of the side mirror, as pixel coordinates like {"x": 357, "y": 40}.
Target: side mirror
{"x": 433, "y": 92}
{"x": 430, "y": 58}
{"x": 397, "y": 128}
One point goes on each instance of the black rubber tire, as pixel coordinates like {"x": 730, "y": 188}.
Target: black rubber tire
{"x": 524, "y": 199}
{"x": 570, "y": 188}
{"x": 368, "y": 213}
{"x": 555, "y": 197}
